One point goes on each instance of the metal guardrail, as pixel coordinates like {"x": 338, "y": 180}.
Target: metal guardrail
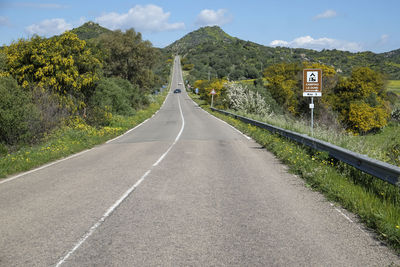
{"x": 379, "y": 169}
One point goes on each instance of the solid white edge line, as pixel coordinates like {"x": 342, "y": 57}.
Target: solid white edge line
{"x": 341, "y": 213}
{"x": 124, "y": 196}
{"x": 247, "y": 137}
{"x": 102, "y": 219}
{"x": 43, "y": 166}
{"x": 3, "y": 181}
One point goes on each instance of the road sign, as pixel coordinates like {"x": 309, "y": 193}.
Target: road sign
{"x": 213, "y": 92}
{"x": 312, "y": 82}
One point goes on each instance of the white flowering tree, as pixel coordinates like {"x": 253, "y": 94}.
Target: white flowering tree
{"x": 242, "y": 99}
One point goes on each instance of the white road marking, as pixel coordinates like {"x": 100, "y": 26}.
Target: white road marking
{"x": 43, "y": 167}
{"x": 341, "y": 213}
{"x": 122, "y": 198}
{"x": 247, "y": 137}
{"x": 102, "y": 219}
{"x": 177, "y": 137}
{"x": 74, "y": 155}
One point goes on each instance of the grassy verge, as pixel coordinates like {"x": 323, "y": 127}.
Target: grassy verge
{"x": 376, "y": 202}
{"x": 74, "y": 136}
{"x": 378, "y": 146}
{"x": 394, "y": 86}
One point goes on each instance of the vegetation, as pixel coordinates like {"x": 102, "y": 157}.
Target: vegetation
{"x": 90, "y": 30}
{"x": 18, "y": 115}
{"x": 376, "y": 202}
{"x": 358, "y": 103}
{"x": 129, "y": 57}
{"x": 62, "y": 88}
{"x": 61, "y": 65}
{"x": 216, "y": 54}
{"x": 72, "y": 136}
{"x": 354, "y": 98}
{"x": 361, "y": 101}
{"x": 394, "y": 86}
{"x": 241, "y": 98}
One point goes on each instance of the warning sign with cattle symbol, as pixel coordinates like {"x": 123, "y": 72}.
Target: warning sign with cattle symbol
{"x": 312, "y": 82}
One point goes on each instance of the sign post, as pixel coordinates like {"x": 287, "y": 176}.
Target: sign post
{"x": 212, "y": 96}
{"x": 312, "y": 86}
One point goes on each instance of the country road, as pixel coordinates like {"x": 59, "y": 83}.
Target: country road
{"x": 182, "y": 189}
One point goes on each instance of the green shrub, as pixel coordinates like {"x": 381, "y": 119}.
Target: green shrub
{"x": 109, "y": 93}
{"x": 18, "y": 116}
{"x": 137, "y": 99}
{"x": 188, "y": 67}
{"x": 99, "y": 116}
{"x": 3, "y": 150}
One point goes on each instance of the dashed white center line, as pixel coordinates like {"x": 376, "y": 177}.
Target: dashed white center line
{"x": 123, "y": 197}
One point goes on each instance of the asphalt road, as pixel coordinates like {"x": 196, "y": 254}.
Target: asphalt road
{"x": 183, "y": 189}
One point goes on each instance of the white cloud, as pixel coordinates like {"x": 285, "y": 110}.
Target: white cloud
{"x": 4, "y": 21}
{"x": 326, "y": 15}
{"x": 384, "y": 39}
{"x": 149, "y": 18}
{"x": 319, "y": 44}
{"x": 209, "y": 17}
{"x": 49, "y": 27}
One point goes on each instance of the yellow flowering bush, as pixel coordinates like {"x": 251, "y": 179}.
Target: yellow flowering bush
{"x": 361, "y": 101}
{"x": 61, "y": 64}
{"x": 363, "y": 117}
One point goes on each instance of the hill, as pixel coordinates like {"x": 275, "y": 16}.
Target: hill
{"x": 90, "y": 30}
{"x": 212, "y": 50}
{"x": 203, "y": 35}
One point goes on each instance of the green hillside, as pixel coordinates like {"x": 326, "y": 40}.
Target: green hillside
{"x": 197, "y": 38}
{"x": 90, "y": 30}
{"x": 212, "y": 50}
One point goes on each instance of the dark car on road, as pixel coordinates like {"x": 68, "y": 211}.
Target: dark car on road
{"x": 177, "y": 91}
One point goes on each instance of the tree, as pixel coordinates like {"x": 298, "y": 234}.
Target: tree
{"x": 284, "y": 85}
{"x": 205, "y": 88}
{"x": 129, "y": 57}
{"x": 60, "y": 64}
{"x": 18, "y": 115}
{"x": 243, "y": 99}
{"x": 361, "y": 101}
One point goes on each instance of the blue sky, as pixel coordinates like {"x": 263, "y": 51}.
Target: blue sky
{"x": 372, "y": 25}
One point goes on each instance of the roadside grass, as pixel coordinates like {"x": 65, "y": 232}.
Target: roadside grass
{"x": 377, "y": 146}
{"x": 376, "y": 202}
{"x": 72, "y": 137}
{"x": 394, "y": 86}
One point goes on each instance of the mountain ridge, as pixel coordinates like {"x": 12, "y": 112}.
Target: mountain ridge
{"x": 213, "y": 42}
